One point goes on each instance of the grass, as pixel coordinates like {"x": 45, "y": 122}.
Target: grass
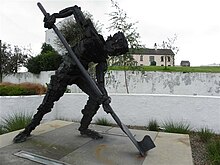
{"x": 176, "y": 127}
{"x": 103, "y": 121}
{"x": 1, "y": 130}
{"x": 15, "y": 122}
{"x": 213, "y": 149}
{"x": 153, "y": 125}
{"x": 209, "y": 69}
{"x": 205, "y": 134}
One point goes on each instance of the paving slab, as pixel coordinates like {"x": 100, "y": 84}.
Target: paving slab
{"x": 172, "y": 149}
{"x": 60, "y": 141}
{"x": 6, "y": 139}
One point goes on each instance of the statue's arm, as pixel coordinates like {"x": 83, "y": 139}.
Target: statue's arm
{"x": 49, "y": 20}
{"x": 66, "y": 12}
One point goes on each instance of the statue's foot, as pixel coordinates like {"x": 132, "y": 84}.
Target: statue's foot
{"x": 91, "y": 133}
{"x": 21, "y": 137}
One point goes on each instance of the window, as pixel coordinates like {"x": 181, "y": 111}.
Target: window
{"x": 168, "y": 58}
{"x": 141, "y": 57}
{"x": 151, "y": 58}
{"x": 162, "y": 58}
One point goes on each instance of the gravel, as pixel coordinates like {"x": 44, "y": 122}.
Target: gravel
{"x": 199, "y": 152}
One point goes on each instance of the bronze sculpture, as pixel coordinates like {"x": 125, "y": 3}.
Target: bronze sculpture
{"x": 92, "y": 48}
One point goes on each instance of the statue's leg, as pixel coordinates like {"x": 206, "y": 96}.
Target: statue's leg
{"x": 56, "y": 89}
{"x": 88, "y": 112}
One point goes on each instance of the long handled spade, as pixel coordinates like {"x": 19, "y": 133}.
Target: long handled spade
{"x": 144, "y": 145}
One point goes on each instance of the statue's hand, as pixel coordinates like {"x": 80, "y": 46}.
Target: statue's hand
{"x": 105, "y": 104}
{"x": 49, "y": 21}
{"x": 106, "y": 100}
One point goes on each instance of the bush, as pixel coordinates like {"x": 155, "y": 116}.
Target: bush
{"x": 15, "y": 91}
{"x": 33, "y": 65}
{"x": 176, "y": 127}
{"x": 10, "y": 89}
{"x": 48, "y": 60}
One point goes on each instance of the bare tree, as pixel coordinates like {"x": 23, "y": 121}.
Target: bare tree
{"x": 119, "y": 21}
{"x": 170, "y": 44}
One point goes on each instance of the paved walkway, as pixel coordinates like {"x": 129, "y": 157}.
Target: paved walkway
{"x": 59, "y": 143}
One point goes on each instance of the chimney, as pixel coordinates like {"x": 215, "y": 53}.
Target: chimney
{"x": 155, "y": 46}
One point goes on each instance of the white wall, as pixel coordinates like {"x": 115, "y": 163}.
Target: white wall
{"x": 178, "y": 83}
{"x": 42, "y": 78}
{"x": 132, "y": 109}
{"x": 26, "y": 104}
{"x": 164, "y": 83}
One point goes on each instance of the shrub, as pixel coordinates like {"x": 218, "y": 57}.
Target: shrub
{"x": 214, "y": 152}
{"x": 176, "y": 127}
{"x": 10, "y": 89}
{"x": 205, "y": 134}
{"x": 103, "y": 121}
{"x": 153, "y": 125}
{"x": 15, "y": 122}
{"x": 38, "y": 88}
{"x": 47, "y": 60}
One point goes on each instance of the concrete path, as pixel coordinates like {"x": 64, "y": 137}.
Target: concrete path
{"x": 59, "y": 143}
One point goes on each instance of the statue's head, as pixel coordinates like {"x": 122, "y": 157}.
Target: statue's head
{"x": 116, "y": 45}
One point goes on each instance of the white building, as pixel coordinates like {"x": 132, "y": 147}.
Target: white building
{"x": 158, "y": 57}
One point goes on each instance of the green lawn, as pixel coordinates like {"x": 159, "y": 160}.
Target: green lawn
{"x": 210, "y": 69}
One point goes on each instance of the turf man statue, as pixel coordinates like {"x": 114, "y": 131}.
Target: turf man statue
{"x": 92, "y": 48}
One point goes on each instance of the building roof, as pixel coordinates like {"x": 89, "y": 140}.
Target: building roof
{"x": 146, "y": 51}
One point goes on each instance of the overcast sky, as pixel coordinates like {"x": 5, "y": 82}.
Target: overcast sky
{"x": 196, "y": 23}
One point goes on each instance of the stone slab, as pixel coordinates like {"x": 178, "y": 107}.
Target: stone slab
{"x": 172, "y": 149}
{"x": 110, "y": 150}
{"x": 61, "y": 141}
{"x": 6, "y": 139}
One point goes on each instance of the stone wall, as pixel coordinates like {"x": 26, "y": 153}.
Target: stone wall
{"x": 178, "y": 83}
{"x": 165, "y": 83}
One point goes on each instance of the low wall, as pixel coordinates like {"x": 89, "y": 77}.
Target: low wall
{"x": 26, "y": 104}
{"x": 132, "y": 109}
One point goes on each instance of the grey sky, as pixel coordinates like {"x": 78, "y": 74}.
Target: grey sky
{"x": 194, "y": 21}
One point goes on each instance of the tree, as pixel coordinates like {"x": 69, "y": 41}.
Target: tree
{"x": 12, "y": 58}
{"x": 46, "y": 48}
{"x": 170, "y": 44}
{"x": 47, "y": 60}
{"x": 119, "y": 22}
{"x": 72, "y": 32}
